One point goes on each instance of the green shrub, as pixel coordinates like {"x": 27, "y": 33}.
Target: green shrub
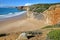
{"x": 54, "y": 35}
{"x": 52, "y": 26}
{"x": 42, "y": 7}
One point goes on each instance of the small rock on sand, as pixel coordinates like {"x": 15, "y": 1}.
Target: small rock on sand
{"x": 22, "y": 36}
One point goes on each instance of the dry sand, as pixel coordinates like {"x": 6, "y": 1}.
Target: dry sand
{"x": 20, "y": 23}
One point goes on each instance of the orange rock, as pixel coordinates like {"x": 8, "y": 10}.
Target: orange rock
{"x": 53, "y": 14}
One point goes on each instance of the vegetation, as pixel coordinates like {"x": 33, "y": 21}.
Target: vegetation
{"x": 34, "y": 32}
{"x": 54, "y": 35}
{"x": 40, "y": 7}
{"x": 52, "y": 26}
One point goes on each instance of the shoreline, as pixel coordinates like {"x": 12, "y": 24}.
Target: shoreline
{"x": 5, "y": 23}
{"x": 13, "y": 19}
{"x": 10, "y": 15}
{"x": 19, "y": 24}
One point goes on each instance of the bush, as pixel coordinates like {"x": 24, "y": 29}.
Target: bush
{"x": 52, "y": 26}
{"x": 54, "y": 35}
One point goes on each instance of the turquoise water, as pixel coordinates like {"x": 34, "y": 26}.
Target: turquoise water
{"x": 10, "y": 12}
{"x": 4, "y": 11}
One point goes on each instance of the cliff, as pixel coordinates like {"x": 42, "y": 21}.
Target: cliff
{"x": 53, "y": 14}
{"x": 22, "y": 7}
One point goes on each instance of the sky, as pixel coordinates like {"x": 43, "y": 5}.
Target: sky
{"x": 24, "y": 2}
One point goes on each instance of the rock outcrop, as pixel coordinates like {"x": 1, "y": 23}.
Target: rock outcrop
{"x": 22, "y": 36}
{"x": 53, "y": 14}
{"x": 22, "y": 7}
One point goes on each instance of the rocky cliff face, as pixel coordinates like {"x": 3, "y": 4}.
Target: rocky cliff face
{"x": 22, "y": 7}
{"x": 53, "y": 14}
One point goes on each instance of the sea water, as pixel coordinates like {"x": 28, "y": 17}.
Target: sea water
{"x": 10, "y": 12}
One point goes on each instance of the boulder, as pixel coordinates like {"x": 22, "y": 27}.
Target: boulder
{"x": 22, "y": 36}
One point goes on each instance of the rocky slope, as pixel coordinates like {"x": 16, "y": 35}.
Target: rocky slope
{"x": 53, "y": 14}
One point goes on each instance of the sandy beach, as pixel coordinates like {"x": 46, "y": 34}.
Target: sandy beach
{"x": 29, "y": 20}
{"x": 5, "y": 22}
{"x": 15, "y": 25}
{"x": 20, "y": 23}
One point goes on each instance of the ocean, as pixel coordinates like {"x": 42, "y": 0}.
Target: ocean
{"x": 10, "y": 12}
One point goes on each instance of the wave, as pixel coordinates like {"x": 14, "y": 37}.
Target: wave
{"x": 11, "y": 14}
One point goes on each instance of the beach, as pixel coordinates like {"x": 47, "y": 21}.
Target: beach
{"x": 19, "y": 23}
{"x": 14, "y": 19}
{"x": 29, "y": 20}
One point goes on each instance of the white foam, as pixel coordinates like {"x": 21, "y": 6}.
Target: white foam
{"x": 11, "y": 14}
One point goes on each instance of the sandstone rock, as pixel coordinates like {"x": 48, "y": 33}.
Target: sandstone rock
{"x": 52, "y": 14}
{"x": 22, "y": 36}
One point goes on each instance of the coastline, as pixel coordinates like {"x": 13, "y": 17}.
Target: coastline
{"x": 19, "y": 24}
{"x": 5, "y": 22}
{"x": 10, "y": 15}
{"x": 12, "y": 19}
